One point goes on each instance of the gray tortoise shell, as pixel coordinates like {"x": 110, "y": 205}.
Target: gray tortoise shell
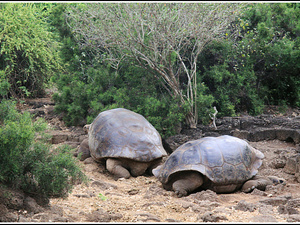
{"x": 121, "y": 133}
{"x": 224, "y": 160}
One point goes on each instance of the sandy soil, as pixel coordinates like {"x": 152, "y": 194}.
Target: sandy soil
{"x": 142, "y": 199}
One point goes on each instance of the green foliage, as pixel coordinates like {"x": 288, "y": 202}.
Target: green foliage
{"x": 99, "y": 88}
{"x": 271, "y": 44}
{"x": 28, "y": 50}
{"x": 27, "y": 162}
{"x": 258, "y": 65}
{"x": 102, "y": 197}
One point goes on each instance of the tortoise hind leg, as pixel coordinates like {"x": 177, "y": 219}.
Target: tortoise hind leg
{"x": 187, "y": 183}
{"x": 115, "y": 167}
{"x": 261, "y": 182}
{"x": 138, "y": 168}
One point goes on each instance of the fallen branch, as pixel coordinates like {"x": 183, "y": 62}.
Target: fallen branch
{"x": 213, "y": 117}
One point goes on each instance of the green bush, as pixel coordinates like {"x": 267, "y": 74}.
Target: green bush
{"x": 233, "y": 92}
{"x": 100, "y": 88}
{"x": 270, "y": 42}
{"x": 27, "y": 163}
{"x": 28, "y": 50}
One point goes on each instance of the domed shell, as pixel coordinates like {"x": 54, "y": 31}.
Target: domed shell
{"x": 224, "y": 160}
{"x": 121, "y": 133}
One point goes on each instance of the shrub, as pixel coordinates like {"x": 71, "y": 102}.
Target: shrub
{"x": 28, "y": 50}
{"x": 27, "y": 162}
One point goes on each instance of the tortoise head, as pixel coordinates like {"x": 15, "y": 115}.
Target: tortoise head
{"x": 277, "y": 180}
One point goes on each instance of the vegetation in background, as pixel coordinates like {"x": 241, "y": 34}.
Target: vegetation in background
{"x": 163, "y": 38}
{"x": 258, "y": 66}
{"x": 26, "y": 161}
{"x": 28, "y": 50}
{"x": 255, "y": 62}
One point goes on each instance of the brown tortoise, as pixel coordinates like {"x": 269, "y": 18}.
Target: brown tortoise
{"x": 222, "y": 164}
{"x": 127, "y": 141}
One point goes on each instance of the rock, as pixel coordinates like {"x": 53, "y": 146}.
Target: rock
{"x": 242, "y": 134}
{"x": 103, "y": 185}
{"x": 195, "y": 207}
{"x": 81, "y": 195}
{"x": 23, "y": 219}
{"x": 9, "y": 217}
{"x": 72, "y": 144}
{"x": 13, "y": 199}
{"x": 276, "y": 201}
{"x": 245, "y": 206}
{"x": 88, "y": 160}
{"x": 263, "y": 219}
{"x": 278, "y": 162}
{"x": 172, "y": 220}
{"x": 258, "y": 192}
{"x": 274, "y": 189}
{"x": 148, "y": 217}
{"x": 58, "y": 137}
{"x": 57, "y": 210}
{"x": 42, "y": 217}
{"x": 31, "y": 206}
{"x": 59, "y": 218}
{"x": 100, "y": 215}
{"x": 211, "y": 217}
{"x": 155, "y": 190}
{"x": 294, "y": 202}
{"x": 265, "y": 209}
{"x": 293, "y": 218}
{"x": 91, "y": 167}
{"x": 292, "y": 164}
{"x": 5, "y": 215}
{"x": 204, "y": 195}
{"x": 146, "y": 205}
{"x": 286, "y": 209}
{"x": 133, "y": 191}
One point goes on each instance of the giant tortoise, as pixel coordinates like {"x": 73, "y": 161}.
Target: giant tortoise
{"x": 127, "y": 141}
{"x": 222, "y": 164}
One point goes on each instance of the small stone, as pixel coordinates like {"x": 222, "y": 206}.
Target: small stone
{"x": 274, "y": 201}
{"x": 149, "y": 217}
{"x": 258, "y": 192}
{"x": 263, "y": 219}
{"x": 265, "y": 209}
{"x": 103, "y": 185}
{"x": 211, "y": 217}
{"x": 286, "y": 209}
{"x": 245, "y": 206}
{"x": 294, "y": 218}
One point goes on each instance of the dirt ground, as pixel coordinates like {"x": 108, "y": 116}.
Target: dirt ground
{"x": 143, "y": 199}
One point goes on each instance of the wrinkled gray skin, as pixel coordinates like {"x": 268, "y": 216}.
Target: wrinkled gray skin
{"x": 223, "y": 164}
{"x": 127, "y": 141}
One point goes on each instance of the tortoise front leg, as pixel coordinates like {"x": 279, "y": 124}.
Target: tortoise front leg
{"x": 115, "y": 167}
{"x": 187, "y": 183}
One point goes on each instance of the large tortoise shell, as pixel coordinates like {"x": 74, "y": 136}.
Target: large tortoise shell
{"x": 224, "y": 160}
{"x": 121, "y": 133}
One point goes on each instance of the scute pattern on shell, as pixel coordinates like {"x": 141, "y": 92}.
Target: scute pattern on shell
{"x": 121, "y": 133}
{"x": 224, "y": 160}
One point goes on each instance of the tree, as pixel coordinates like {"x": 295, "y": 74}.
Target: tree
{"x": 164, "y": 38}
